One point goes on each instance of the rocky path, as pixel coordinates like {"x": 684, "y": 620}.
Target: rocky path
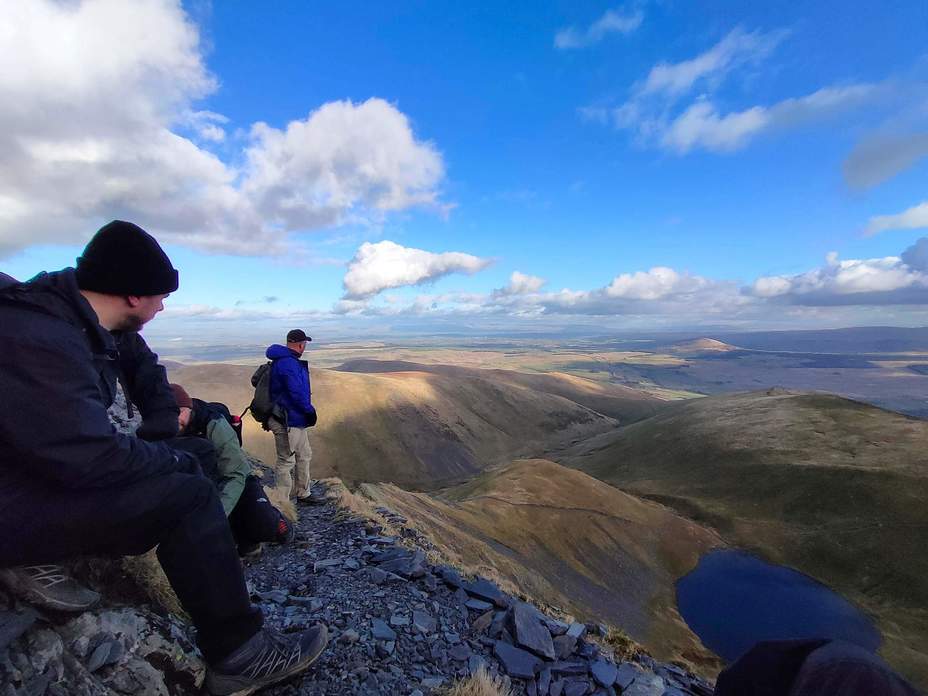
{"x": 400, "y": 625}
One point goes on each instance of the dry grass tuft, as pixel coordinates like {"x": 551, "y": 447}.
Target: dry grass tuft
{"x": 624, "y": 647}
{"x": 147, "y": 574}
{"x": 356, "y": 505}
{"x": 282, "y": 502}
{"x": 480, "y": 683}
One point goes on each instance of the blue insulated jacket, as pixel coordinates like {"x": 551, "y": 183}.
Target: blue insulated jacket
{"x": 290, "y": 385}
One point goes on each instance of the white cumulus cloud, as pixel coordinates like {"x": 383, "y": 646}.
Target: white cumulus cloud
{"x": 95, "y": 127}
{"x": 879, "y": 281}
{"x": 385, "y": 265}
{"x": 655, "y": 284}
{"x": 521, "y": 284}
{"x": 612, "y": 22}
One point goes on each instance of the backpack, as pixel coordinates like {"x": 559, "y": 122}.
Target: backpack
{"x": 234, "y": 421}
{"x": 261, "y": 406}
{"x": 204, "y": 412}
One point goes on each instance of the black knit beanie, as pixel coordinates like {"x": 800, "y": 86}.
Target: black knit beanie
{"x": 123, "y": 259}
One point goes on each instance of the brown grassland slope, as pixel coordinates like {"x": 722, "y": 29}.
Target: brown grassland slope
{"x": 624, "y": 404}
{"x": 563, "y": 537}
{"x": 417, "y": 429}
{"x": 832, "y": 487}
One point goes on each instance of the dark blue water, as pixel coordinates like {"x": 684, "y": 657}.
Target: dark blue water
{"x": 732, "y": 600}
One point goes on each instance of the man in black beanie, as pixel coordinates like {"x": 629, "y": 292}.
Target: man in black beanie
{"x": 70, "y": 485}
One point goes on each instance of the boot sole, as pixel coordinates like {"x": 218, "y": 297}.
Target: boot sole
{"x": 220, "y": 685}
{"x": 45, "y": 602}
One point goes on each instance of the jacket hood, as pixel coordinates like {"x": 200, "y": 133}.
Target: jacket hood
{"x": 57, "y": 294}
{"x": 277, "y": 351}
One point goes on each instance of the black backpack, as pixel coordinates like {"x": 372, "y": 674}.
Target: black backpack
{"x": 216, "y": 409}
{"x": 261, "y": 406}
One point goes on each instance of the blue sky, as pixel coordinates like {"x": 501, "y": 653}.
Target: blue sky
{"x": 646, "y": 164}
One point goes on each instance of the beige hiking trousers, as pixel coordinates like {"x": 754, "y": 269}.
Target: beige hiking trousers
{"x": 293, "y": 456}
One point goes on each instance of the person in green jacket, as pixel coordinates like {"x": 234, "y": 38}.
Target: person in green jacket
{"x": 251, "y": 515}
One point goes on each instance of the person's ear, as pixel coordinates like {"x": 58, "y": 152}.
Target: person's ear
{"x": 133, "y": 300}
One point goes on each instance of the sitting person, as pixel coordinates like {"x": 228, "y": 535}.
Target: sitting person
{"x": 71, "y": 485}
{"x": 251, "y": 515}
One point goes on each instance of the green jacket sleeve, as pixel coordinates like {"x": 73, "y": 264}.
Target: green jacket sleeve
{"x": 232, "y": 465}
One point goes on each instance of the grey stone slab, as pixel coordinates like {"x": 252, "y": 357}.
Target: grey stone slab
{"x": 478, "y": 604}
{"x": 381, "y": 631}
{"x": 564, "y": 646}
{"x": 451, "y": 577}
{"x": 14, "y": 623}
{"x": 423, "y": 622}
{"x": 570, "y": 667}
{"x": 528, "y": 632}
{"x": 576, "y": 630}
{"x": 576, "y": 688}
{"x": 544, "y": 681}
{"x": 626, "y": 674}
{"x": 486, "y": 590}
{"x": 326, "y": 563}
{"x": 604, "y": 672}
{"x": 516, "y": 662}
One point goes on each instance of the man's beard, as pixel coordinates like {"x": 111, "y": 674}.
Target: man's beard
{"x": 130, "y": 323}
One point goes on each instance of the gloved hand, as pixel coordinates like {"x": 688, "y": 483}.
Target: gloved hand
{"x": 311, "y": 417}
{"x": 160, "y": 425}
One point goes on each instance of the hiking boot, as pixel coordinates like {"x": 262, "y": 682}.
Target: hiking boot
{"x": 48, "y": 586}
{"x": 265, "y": 659}
{"x": 250, "y": 550}
{"x": 286, "y": 531}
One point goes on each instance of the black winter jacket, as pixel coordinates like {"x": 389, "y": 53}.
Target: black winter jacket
{"x": 58, "y": 373}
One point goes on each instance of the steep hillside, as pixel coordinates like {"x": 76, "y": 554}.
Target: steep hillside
{"x": 417, "y": 429}
{"x": 622, "y": 403}
{"x": 832, "y": 487}
{"x": 575, "y": 542}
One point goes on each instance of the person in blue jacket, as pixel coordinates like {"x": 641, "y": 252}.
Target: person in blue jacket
{"x": 290, "y": 390}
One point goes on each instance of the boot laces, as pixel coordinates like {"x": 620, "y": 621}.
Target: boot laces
{"x": 277, "y": 655}
{"x": 47, "y": 575}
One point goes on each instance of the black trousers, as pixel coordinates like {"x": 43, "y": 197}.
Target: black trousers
{"x": 179, "y": 513}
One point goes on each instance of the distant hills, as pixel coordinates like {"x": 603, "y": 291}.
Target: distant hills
{"x": 832, "y": 487}
{"x": 862, "y": 339}
{"x": 700, "y": 345}
{"x": 425, "y": 427}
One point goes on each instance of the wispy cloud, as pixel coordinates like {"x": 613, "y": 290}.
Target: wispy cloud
{"x": 914, "y": 218}
{"x": 612, "y": 22}
{"x": 709, "y": 68}
{"x": 385, "y": 265}
{"x": 675, "y": 106}
{"x": 879, "y": 157}
{"x": 89, "y": 132}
